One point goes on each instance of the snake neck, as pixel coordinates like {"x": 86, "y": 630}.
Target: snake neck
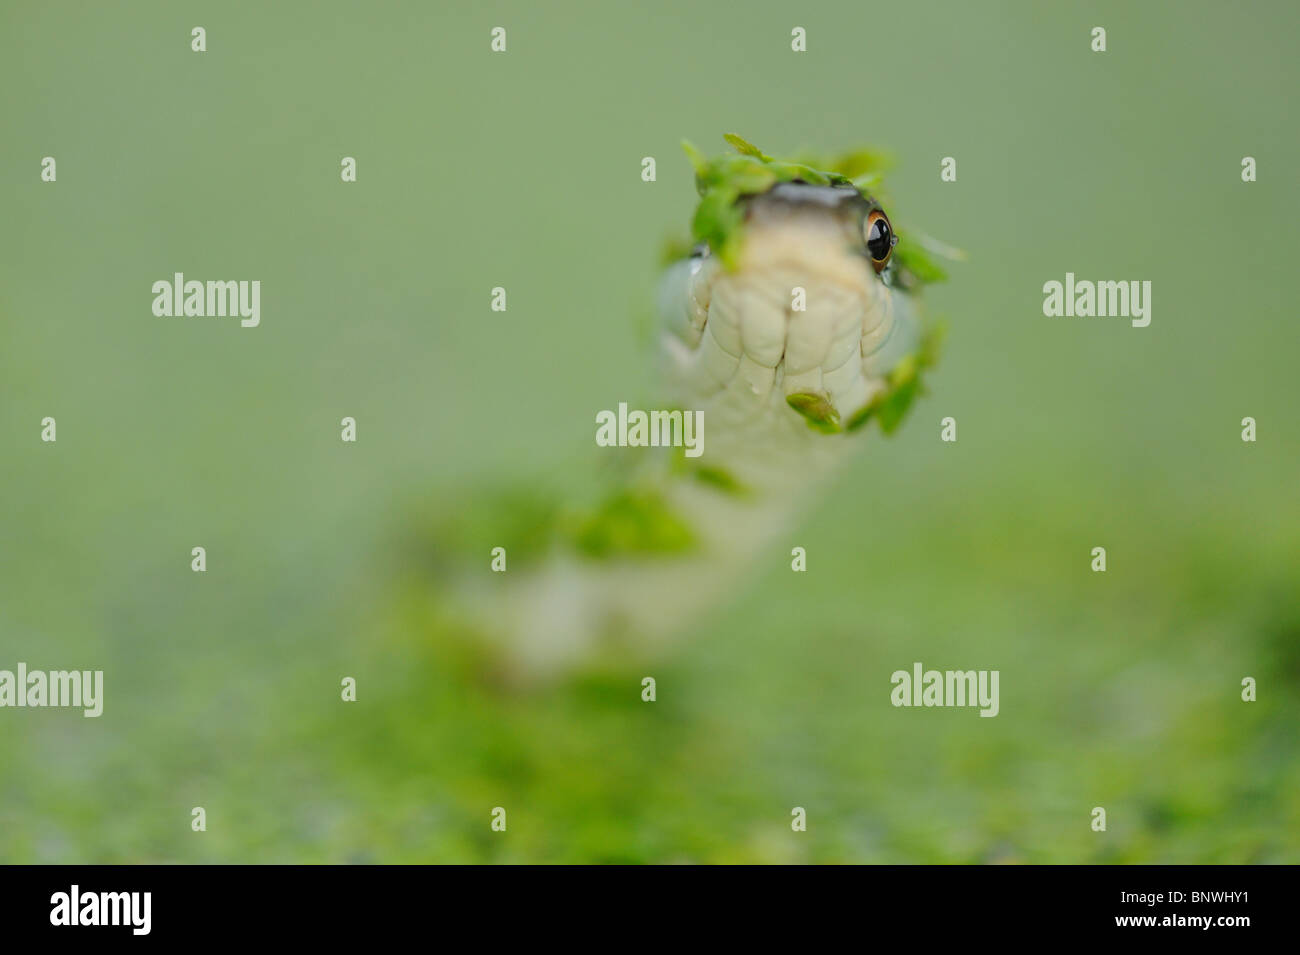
{"x": 775, "y": 356}
{"x": 573, "y": 606}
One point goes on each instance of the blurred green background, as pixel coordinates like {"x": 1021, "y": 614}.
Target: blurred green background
{"x": 523, "y": 170}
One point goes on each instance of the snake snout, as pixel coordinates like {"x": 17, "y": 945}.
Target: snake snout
{"x": 796, "y": 325}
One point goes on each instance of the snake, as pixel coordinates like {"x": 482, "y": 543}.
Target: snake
{"x": 790, "y": 326}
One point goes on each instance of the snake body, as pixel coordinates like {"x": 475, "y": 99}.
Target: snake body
{"x": 782, "y": 389}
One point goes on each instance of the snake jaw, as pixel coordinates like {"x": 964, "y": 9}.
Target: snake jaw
{"x": 799, "y": 327}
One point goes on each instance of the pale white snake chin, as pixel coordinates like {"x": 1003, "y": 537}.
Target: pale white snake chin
{"x": 736, "y": 349}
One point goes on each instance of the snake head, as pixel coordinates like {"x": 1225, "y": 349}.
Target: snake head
{"x": 790, "y": 304}
{"x": 728, "y": 185}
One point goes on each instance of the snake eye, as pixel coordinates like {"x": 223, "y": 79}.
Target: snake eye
{"x": 880, "y": 239}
